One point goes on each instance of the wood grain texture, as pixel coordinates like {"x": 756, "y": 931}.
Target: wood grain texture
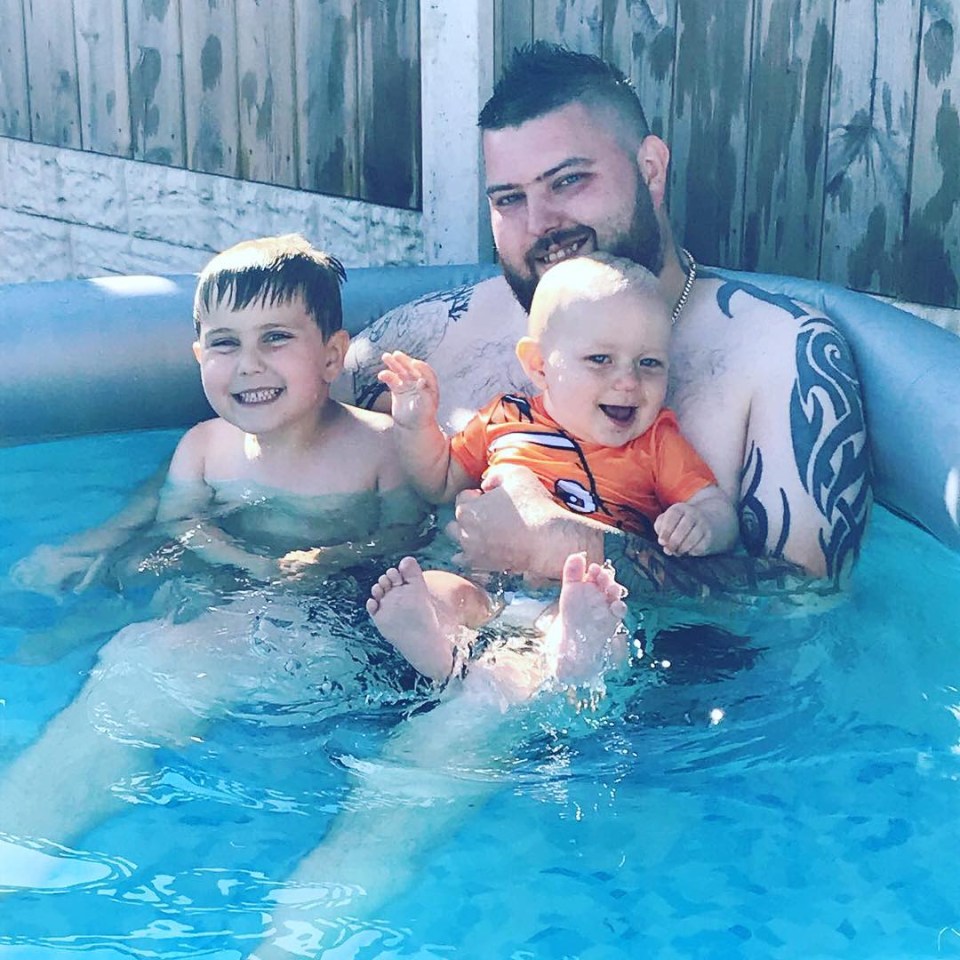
{"x": 52, "y": 74}
{"x": 156, "y": 81}
{"x": 268, "y": 148}
{"x": 14, "y": 95}
{"x": 328, "y": 106}
{"x": 871, "y": 122}
{"x": 708, "y": 140}
{"x": 930, "y": 258}
{"x": 103, "y": 72}
{"x": 210, "y": 87}
{"x": 576, "y": 23}
{"x": 389, "y": 113}
{"x": 640, "y": 37}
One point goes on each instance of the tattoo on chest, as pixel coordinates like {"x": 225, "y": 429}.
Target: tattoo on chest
{"x": 414, "y": 328}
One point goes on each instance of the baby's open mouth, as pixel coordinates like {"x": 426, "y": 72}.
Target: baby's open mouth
{"x": 264, "y": 395}
{"x": 618, "y": 414}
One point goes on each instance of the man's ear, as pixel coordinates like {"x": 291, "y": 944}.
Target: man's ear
{"x": 531, "y": 359}
{"x": 336, "y": 351}
{"x": 196, "y": 349}
{"x": 653, "y": 161}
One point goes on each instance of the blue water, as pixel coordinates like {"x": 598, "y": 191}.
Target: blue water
{"x": 767, "y": 786}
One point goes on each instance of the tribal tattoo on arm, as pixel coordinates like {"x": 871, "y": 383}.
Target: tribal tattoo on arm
{"x": 829, "y": 443}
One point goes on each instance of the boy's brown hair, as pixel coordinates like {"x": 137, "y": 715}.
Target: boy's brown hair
{"x": 273, "y": 270}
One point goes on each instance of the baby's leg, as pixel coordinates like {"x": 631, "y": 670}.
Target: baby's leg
{"x": 583, "y": 638}
{"x": 422, "y": 614}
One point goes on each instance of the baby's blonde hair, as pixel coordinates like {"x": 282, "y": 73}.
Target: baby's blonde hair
{"x": 587, "y": 279}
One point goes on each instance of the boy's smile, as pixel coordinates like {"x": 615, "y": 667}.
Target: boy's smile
{"x": 266, "y": 367}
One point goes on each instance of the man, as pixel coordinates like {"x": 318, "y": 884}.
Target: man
{"x": 763, "y": 388}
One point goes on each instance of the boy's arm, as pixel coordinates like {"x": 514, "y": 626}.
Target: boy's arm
{"x": 74, "y": 564}
{"x": 405, "y": 526}
{"x": 423, "y": 448}
{"x": 184, "y": 510}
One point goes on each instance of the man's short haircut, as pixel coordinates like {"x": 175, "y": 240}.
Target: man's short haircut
{"x": 542, "y": 77}
{"x": 273, "y": 270}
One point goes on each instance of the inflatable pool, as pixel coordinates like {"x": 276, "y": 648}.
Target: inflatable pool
{"x": 113, "y": 354}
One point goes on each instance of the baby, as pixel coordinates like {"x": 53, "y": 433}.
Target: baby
{"x": 598, "y": 437}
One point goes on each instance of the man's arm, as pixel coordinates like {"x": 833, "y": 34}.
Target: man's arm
{"x": 515, "y": 525}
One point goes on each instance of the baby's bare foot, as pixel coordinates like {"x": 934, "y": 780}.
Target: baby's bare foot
{"x": 582, "y": 638}
{"x": 405, "y": 613}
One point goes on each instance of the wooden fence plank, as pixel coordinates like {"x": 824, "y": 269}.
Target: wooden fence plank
{"x": 577, "y": 24}
{"x": 871, "y": 119}
{"x": 640, "y": 37}
{"x": 327, "y": 98}
{"x": 708, "y": 141}
{"x": 156, "y": 81}
{"x": 389, "y": 89}
{"x": 212, "y": 111}
{"x": 787, "y": 136}
{"x": 268, "y": 149}
{"x": 513, "y": 21}
{"x": 103, "y": 76}
{"x": 14, "y": 96}
{"x": 52, "y": 74}
{"x": 930, "y": 262}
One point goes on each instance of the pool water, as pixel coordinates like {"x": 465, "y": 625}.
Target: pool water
{"x": 761, "y": 787}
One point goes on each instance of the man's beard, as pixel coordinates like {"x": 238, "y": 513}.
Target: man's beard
{"x": 641, "y": 243}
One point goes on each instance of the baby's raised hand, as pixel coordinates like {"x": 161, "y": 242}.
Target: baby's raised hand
{"x": 414, "y": 391}
{"x": 684, "y": 530}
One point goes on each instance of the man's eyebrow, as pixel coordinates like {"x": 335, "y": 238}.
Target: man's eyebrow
{"x": 546, "y": 175}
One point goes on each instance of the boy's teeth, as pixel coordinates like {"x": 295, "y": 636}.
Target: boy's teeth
{"x": 259, "y": 396}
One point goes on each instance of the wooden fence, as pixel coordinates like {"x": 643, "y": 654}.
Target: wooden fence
{"x": 322, "y": 95}
{"x": 813, "y": 137}
{"x": 818, "y": 138}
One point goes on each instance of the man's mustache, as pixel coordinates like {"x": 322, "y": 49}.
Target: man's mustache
{"x": 559, "y": 238}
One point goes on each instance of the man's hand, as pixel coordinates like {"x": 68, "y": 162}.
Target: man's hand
{"x": 513, "y": 524}
{"x": 414, "y": 391}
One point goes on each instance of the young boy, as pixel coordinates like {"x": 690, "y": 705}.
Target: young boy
{"x": 283, "y": 482}
{"x": 598, "y": 437}
{"x": 269, "y": 343}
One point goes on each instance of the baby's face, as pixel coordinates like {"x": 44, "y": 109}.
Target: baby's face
{"x": 264, "y": 367}
{"x": 606, "y": 364}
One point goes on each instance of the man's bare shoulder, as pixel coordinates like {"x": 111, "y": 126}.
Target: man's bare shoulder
{"x": 468, "y": 334}
{"x": 767, "y": 313}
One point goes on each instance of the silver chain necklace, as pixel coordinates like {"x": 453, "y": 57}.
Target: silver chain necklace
{"x": 687, "y": 286}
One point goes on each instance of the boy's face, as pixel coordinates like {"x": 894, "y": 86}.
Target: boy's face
{"x": 602, "y": 365}
{"x": 267, "y": 367}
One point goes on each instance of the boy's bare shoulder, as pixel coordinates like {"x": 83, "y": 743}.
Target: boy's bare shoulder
{"x": 366, "y": 423}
